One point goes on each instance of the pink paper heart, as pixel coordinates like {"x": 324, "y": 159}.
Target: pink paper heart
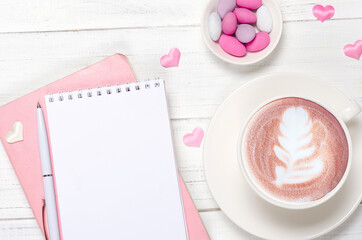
{"x": 353, "y": 50}
{"x": 194, "y": 139}
{"x": 323, "y": 13}
{"x": 171, "y": 59}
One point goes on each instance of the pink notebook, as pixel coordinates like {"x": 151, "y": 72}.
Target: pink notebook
{"x": 24, "y": 155}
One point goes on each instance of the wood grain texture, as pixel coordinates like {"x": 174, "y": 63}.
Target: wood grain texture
{"x": 68, "y": 15}
{"x": 220, "y": 228}
{"x": 42, "y": 41}
{"x": 305, "y": 47}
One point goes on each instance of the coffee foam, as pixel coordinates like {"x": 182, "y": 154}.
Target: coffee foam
{"x": 296, "y": 150}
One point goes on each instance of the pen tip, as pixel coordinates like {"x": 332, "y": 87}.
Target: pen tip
{"x": 38, "y": 106}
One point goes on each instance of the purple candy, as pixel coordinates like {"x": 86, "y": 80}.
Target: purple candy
{"x": 225, "y": 6}
{"x": 245, "y": 33}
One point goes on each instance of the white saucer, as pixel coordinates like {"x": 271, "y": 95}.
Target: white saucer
{"x": 228, "y": 186}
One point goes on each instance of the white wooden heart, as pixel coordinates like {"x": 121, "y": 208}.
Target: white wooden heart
{"x": 16, "y": 133}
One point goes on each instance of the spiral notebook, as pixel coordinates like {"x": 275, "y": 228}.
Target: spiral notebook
{"x": 114, "y": 165}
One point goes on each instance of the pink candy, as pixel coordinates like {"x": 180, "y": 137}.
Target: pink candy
{"x": 229, "y": 23}
{"x": 232, "y": 46}
{"x": 250, "y": 4}
{"x": 260, "y": 42}
{"x": 245, "y": 15}
{"x": 236, "y": 39}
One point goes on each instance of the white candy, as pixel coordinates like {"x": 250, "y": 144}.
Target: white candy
{"x": 214, "y": 26}
{"x": 264, "y": 19}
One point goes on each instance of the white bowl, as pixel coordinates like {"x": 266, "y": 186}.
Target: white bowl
{"x": 251, "y": 57}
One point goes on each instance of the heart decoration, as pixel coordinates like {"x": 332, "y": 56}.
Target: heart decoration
{"x": 353, "y": 50}
{"x": 194, "y": 139}
{"x": 323, "y": 13}
{"x": 15, "y": 134}
{"x": 171, "y": 59}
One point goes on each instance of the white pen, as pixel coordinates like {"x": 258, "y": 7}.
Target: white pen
{"x": 46, "y": 168}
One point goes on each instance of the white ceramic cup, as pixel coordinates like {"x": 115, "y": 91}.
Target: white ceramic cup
{"x": 352, "y": 110}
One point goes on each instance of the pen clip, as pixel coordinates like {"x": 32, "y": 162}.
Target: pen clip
{"x": 43, "y": 217}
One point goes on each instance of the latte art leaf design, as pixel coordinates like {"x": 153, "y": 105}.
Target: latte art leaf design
{"x": 294, "y": 145}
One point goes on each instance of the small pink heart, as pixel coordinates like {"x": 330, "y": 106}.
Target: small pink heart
{"x": 194, "y": 139}
{"x": 171, "y": 59}
{"x": 323, "y": 13}
{"x": 353, "y": 50}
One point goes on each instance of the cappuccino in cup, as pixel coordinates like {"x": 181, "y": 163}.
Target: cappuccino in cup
{"x": 294, "y": 151}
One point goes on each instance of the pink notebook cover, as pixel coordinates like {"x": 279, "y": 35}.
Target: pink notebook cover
{"x": 24, "y": 155}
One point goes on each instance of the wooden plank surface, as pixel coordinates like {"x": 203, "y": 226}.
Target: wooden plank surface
{"x": 41, "y": 41}
{"x": 68, "y": 15}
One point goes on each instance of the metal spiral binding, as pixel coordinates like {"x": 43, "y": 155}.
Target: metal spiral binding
{"x": 99, "y": 91}
{"x": 89, "y": 93}
{"x": 118, "y": 88}
{"x": 70, "y": 95}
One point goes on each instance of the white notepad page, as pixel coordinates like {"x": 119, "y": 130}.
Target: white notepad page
{"x": 114, "y": 164}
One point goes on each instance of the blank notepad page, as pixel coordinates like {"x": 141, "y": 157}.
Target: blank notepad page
{"x": 114, "y": 163}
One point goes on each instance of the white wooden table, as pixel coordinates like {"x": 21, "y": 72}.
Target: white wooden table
{"x": 42, "y": 41}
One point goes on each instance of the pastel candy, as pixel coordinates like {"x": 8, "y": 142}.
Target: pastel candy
{"x": 214, "y": 26}
{"x": 260, "y": 42}
{"x": 265, "y": 20}
{"x": 244, "y": 15}
{"x": 232, "y": 46}
{"x": 250, "y": 4}
{"x": 245, "y": 33}
{"x": 225, "y": 6}
{"x": 229, "y": 23}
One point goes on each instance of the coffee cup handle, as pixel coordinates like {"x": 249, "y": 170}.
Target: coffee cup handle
{"x": 350, "y": 111}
